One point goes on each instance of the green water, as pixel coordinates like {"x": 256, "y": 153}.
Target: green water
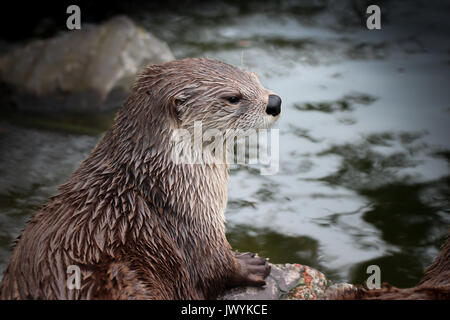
{"x": 364, "y": 149}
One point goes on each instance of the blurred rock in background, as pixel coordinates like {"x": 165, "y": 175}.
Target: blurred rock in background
{"x": 87, "y": 70}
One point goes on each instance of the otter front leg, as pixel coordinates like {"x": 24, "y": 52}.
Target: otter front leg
{"x": 250, "y": 271}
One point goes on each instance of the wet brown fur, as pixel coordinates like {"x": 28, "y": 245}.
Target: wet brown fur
{"x": 435, "y": 285}
{"x": 138, "y": 225}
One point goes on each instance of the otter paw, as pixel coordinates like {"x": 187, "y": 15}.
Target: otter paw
{"x": 252, "y": 269}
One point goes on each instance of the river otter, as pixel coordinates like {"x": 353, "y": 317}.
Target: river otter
{"x": 137, "y": 224}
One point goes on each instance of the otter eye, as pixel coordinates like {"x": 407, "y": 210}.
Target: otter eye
{"x": 233, "y": 99}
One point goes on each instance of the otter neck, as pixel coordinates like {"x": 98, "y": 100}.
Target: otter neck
{"x": 136, "y": 155}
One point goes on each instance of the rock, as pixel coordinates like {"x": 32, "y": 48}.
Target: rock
{"x": 287, "y": 282}
{"x": 90, "y": 69}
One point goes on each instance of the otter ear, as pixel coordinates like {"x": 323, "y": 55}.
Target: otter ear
{"x": 179, "y": 101}
{"x": 176, "y": 108}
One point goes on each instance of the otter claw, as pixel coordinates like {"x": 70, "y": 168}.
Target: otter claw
{"x": 253, "y": 269}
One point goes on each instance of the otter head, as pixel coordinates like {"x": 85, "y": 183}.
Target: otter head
{"x": 218, "y": 95}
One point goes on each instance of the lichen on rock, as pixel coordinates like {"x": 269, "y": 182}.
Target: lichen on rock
{"x": 288, "y": 282}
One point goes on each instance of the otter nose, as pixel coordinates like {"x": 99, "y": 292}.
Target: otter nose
{"x": 274, "y": 105}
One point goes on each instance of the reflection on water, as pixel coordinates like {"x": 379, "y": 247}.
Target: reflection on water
{"x": 364, "y": 155}
{"x": 279, "y": 247}
{"x": 346, "y": 103}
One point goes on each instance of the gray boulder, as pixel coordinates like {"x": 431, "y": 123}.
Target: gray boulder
{"x": 85, "y": 70}
{"x": 289, "y": 282}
